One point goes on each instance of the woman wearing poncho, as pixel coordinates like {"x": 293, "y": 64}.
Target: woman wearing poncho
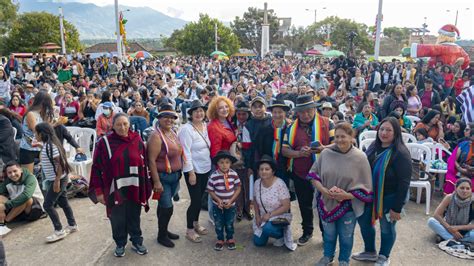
{"x": 343, "y": 179}
{"x": 120, "y": 181}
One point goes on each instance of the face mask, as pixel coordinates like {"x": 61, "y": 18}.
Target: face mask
{"x": 107, "y": 112}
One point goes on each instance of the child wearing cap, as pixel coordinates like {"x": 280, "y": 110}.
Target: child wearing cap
{"x": 224, "y": 188}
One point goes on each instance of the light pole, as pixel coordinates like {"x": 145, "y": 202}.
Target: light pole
{"x": 315, "y": 13}
{"x": 377, "y": 36}
{"x": 457, "y": 13}
{"x": 117, "y": 31}
{"x": 61, "y": 29}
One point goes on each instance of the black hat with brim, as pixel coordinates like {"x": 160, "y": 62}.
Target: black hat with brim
{"x": 167, "y": 110}
{"x": 195, "y": 105}
{"x": 223, "y": 155}
{"x": 267, "y": 159}
{"x": 279, "y": 103}
{"x": 305, "y": 102}
{"x": 242, "y": 107}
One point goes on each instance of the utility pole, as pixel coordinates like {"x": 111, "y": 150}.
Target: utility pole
{"x": 117, "y": 31}
{"x": 456, "y": 21}
{"x": 377, "y": 36}
{"x": 215, "y": 36}
{"x": 265, "y": 32}
{"x": 61, "y": 30}
{"x": 315, "y": 13}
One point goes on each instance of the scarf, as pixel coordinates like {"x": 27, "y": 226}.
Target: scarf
{"x": 277, "y": 138}
{"x": 315, "y": 136}
{"x": 167, "y": 161}
{"x": 458, "y": 210}
{"x": 378, "y": 178}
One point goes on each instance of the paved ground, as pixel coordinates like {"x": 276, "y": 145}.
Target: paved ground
{"x": 93, "y": 244}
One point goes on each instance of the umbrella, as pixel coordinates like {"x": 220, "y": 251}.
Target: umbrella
{"x": 313, "y": 52}
{"x": 333, "y": 53}
{"x": 218, "y": 53}
{"x": 221, "y": 57}
{"x": 141, "y": 54}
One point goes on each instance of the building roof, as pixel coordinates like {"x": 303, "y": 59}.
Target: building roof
{"x": 108, "y": 47}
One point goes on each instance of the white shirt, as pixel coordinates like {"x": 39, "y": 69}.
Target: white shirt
{"x": 196, "y": 149}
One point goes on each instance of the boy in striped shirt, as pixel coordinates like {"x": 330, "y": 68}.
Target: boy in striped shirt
{"x": 224, "y": 188}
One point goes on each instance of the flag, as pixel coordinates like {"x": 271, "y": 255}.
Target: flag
{"x": 466, "y": 99}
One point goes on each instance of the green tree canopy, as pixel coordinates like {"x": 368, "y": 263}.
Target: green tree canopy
{"x": 7, "y": 15}
{"x": 197, "y": 38}
{"x": 339, "y": 30}
{"x": 296, "y": 40}
{"x": 249, "y": 28}
{"x": 31, "y": 30}
{"x": 397, "y": 34}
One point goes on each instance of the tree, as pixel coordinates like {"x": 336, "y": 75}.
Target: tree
{"x": 338, "y": 31}
{"x": 31, "y": 30}
{"x": 296, "y": 40}
{"x": 7, "y": 15}
{"x": 197, "y": 38}
{"x": 249, "y": 28}
{"x": 397, "y": 34}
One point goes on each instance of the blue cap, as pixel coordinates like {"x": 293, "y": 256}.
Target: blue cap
{"x": 107, "y": 105}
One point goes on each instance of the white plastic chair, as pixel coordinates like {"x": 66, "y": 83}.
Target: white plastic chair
{"x": 368, "y": 134}
{"x": 422, "y": 153}
{"x": 15, "y": 131}
{"x": 408, "y": 138}
{"x": 291, "y": 104}
{"x": 364, "y": 145}
{"x": 437, "y": 150}
{"x": 84, "y": 137}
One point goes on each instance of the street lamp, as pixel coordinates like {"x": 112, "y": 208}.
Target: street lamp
{"x": 315, "y": 13}
{"x": 457, "y": 11}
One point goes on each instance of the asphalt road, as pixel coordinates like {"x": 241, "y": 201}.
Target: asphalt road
{"x": 93, "y": 244}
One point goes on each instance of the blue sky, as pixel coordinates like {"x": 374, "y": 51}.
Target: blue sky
{"x": 401, "y": 13}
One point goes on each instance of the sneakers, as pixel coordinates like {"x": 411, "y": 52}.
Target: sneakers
{"x": 231, "y": 244}
{"x": 279, "y": 242}
{"x": 56, "y": 236}
{"x": 219, "y": 245}
{"x": 324, "y": 261}
{"x": 119, "y": 252}
{"x": 303, "y": 240}
{"x": 365, "y": 256}
{"x": 4, "y": 230}
{"x": 344, "y": 263}
{"x": 139, "y": 249}
{"x": 71, "y": 229}
{"x": 382, "y": 261}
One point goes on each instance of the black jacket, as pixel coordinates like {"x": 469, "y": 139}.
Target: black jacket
{"x": 8, "y": 146}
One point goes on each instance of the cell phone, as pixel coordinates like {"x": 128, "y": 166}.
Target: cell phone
{"x": 315, "y": 144}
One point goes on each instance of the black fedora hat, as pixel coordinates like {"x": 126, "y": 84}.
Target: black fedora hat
{"x": 279, "y": 103}
{"x": 304, "y": 102}
{"x": 267, "y": 159}
{"x": 167, "y": 110}
{"x": 195, "y": 105}
{"x": 222, "y": 155}
{"x": 242, "y": 106}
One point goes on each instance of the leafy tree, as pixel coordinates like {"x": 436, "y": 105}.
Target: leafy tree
{"x": 31, "y": 30}
{"x": 249, "y": 28}
{"x": 397, "y": 34}
{"x": 7, "y": 15}
{"x": 296, "y": 40}
{"x": 197, "y": 38}
{"x": 338, "y": 31}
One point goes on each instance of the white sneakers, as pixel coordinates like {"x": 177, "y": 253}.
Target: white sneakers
{"x": 56, "y": 236}
{"x": 4, "y": 230}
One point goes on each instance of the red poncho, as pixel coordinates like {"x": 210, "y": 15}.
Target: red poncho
{"x": 125, "y": 175}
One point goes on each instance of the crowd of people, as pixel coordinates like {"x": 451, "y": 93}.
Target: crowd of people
{"x": 248, "y": 135}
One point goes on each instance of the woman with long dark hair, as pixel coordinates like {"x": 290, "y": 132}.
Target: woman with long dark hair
{"x": 40, "y": 111}
{"x": 390, "y": 161}
{"x": 432, "y": 123}
{"x": 55, "y": 170}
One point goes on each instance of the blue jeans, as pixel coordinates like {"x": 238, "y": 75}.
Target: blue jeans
{"x": 170, "y": 184}
{"x": 224, "y": 220}
{"x": 388, "y": 233}
{"x": 440, "y": 230}
{"x": 268, "y": 230}
{"x": 344, "y": 229}
{"x": 184, "y": 106}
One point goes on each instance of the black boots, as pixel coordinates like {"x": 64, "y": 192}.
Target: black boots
{"x": 164, "y": 237}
